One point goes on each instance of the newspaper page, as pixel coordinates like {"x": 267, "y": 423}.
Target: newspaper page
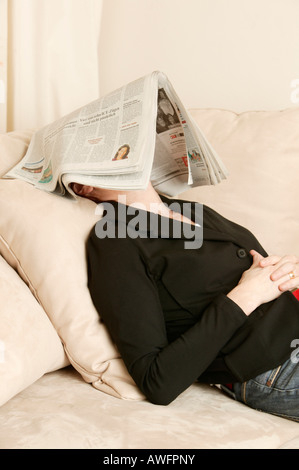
{"x": 103, "y": 138}
{"x": 183, "y": 156}
{"x": 138, "y": 132}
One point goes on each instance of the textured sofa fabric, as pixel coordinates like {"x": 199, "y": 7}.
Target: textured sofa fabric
{"x": 40, "y": 237}
{"x": 61, "y": 411}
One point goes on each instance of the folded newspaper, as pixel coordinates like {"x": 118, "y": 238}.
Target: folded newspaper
{"x": 135, "y": 134}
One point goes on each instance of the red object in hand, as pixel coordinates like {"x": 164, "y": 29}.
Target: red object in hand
{"x": 296, "y": 294}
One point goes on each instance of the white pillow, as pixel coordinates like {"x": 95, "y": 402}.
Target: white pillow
{"x": 29, "y": 344}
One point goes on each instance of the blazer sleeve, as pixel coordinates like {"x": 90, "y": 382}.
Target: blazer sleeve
{"x": 127, "y": 300}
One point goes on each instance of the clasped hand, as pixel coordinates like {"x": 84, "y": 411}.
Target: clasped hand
{"x": 285, "y": 270}
{"x": 265, "y": 280}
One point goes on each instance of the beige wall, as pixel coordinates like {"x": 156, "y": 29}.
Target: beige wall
{"x": 56, "y": 55}
{"x": 236, "y": 54}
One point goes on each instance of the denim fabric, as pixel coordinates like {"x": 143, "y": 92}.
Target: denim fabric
{"x": 275, "y": 391}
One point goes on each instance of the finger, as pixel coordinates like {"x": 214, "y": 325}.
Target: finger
{"x": 254, "y": 252}
{"x": 257, "y": 257}
{"x": 270, "y": 260}
{"x": 289, "y": 284}
{"x": 286, "y": 265}
{"x": 284, "y": 259}
{"x": 284, "y": 269}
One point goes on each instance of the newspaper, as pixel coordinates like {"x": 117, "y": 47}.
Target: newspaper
{"x": 138, "y": 133}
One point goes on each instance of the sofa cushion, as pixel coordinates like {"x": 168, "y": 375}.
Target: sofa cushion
{"x": 29, "y": 344}
{"x": 261, "y": 152}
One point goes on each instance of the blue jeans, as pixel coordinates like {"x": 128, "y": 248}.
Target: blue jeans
{"x": 275, "y": 391}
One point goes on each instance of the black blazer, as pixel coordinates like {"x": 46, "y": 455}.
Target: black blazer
{"x": 167, "y": 311}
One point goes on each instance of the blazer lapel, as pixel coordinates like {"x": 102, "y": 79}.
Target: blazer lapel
{"x": 215, "y": 226}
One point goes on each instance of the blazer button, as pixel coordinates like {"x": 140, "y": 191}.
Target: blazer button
{"x": 241, "y": 253}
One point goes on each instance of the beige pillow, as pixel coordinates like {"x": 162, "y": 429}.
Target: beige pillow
{"x": 29, "y": 345}
{"x": 43, "y": 237}
{"x": 261, "y": 152}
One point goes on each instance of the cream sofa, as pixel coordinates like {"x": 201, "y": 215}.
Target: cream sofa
{"x": 63, "y": 384}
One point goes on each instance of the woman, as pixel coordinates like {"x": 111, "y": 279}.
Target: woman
{"x": 122, "y": 153}
{"x": 221, "y": 314}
